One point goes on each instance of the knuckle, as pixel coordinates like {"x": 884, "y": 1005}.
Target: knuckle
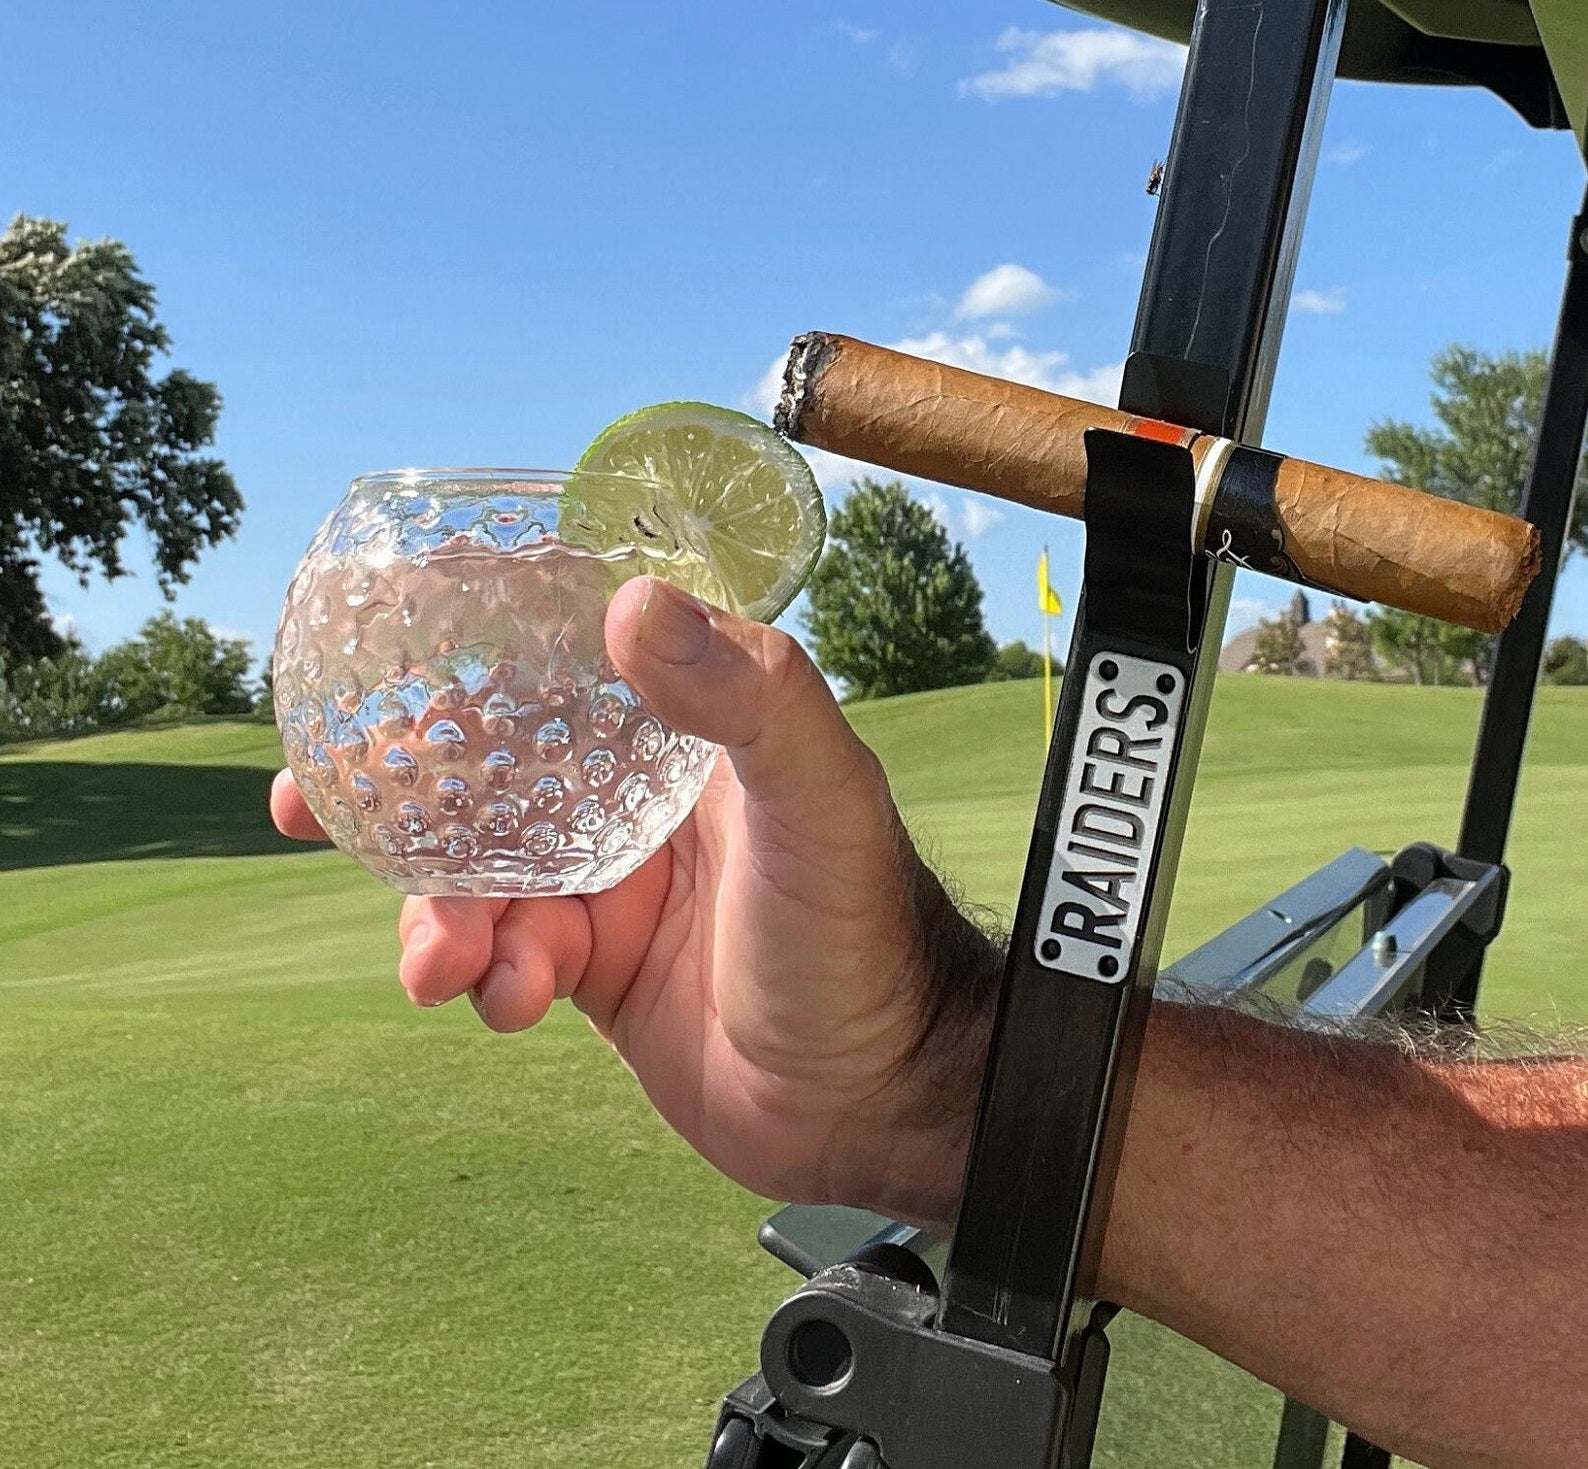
{"x": 785, "y": 667}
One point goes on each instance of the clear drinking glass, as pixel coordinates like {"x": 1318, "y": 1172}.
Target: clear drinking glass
{"x": 445, "y": 698}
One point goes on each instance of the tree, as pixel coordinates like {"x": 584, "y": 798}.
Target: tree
{"x": 1279, "y": 648}
{"x": 1566, "y": 661}
{"x": 1348, "y": 648}
{"x": 91, "y": 442}
{"x": 45, "y": 698}
{"x": 1433, "y": 652}
{"x": 1016, "y": 661}
{"x": 1462, "y": 647}
{"x": 174, "y": 669}
{"x": 1408, "y": 642}
{"x": 1488, "y": 408}
{"x": 894, "y": 607}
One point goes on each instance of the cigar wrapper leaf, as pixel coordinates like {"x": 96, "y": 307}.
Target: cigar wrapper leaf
{"x": 1341, "y": 532}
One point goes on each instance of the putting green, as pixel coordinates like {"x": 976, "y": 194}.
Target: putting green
{"x": 260, "y": 1212}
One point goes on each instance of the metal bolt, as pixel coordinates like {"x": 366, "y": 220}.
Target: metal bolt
{"x": 1384, "y": 947}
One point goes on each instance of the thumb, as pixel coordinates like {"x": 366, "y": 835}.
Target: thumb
{"x": 740, "y": 684}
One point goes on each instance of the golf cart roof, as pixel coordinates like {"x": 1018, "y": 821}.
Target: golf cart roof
{"x": 1532, "y": 53}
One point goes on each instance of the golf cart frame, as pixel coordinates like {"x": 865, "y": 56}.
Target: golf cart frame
{"x": 998, "y": 1355}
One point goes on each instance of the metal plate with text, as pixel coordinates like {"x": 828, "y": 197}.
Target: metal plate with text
{"x": 1110, "y": 822}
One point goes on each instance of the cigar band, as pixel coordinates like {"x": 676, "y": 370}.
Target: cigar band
{"x": 1209, "y": 473}
{"x": 1161, "y": 432}
{"x": 1243, "y": 522}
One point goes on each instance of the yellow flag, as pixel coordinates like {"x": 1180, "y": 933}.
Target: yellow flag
{"x": 1047, "y": 599}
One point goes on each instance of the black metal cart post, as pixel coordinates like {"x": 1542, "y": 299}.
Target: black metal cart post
{"x": 1079, "y": 976}
{"x": 1548, "y": 503}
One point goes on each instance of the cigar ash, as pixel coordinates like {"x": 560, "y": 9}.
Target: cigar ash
{"x": 808, "y": 354}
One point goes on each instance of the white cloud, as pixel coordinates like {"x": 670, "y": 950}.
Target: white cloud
{"x": 935, "y": 501}
{"x": 835, "y": 472}
{"x": 860, "y": 35}
{"x": 1319, "y": 303}
{"x": 967, "y": 515}
{"x": 978, "y": 515}
{"x": 1049, "y": 370}
{"x": 1343, "y": 155}
{"x": 1042, "y": 63}
{"x": 901, "y": 57}
{"x": 762, "y": 398}
{"x": 1247, "y": 612}
{"x": 1005, "y": 290}
{"x": 1100, "y": 385}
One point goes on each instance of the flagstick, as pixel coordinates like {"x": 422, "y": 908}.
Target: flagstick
{"x": 1047, "y": 681}
{"x": 1047, "y": 658}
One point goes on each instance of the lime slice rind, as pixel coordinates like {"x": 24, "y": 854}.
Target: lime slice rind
{"x": 723, "y": 505}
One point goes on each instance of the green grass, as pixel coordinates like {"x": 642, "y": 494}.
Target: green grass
{"x": 1292, "y": 772}
{"x": 257, "y": 1211}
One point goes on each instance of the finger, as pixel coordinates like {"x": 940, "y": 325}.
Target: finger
{"x": 446, "y": 945}
{"x": 737, "y": 683}
{"x": 623, "y": 928}
{"x": 540, "y": 952}
{"x": 291, "y": 812}
{"x": 815, "y": 823}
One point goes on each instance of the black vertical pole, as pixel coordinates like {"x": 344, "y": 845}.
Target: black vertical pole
{"x": 1207, "y": 334}
{"x": 1358, "y": 1453}
{"x": 1303, "y": 1437}
{"x": 1548, "y": 502}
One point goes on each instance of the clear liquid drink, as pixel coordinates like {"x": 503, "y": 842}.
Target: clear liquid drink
{"x": 445, "y": 698}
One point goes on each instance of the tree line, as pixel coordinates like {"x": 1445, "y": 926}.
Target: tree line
{"x": 95, "y": 443}
{"x": 1385, "y": 642}
{"x": 171, "y": 670}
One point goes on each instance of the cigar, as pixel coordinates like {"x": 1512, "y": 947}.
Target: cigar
{"x": 1341, "y": 532}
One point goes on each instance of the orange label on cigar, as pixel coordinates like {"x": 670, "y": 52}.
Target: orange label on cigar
{"x": 1164, "y": 433}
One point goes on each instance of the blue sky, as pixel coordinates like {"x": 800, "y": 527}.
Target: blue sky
{"x": 437, "y": 234}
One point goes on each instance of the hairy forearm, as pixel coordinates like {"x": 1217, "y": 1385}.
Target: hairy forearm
{"x": 1398, "y": 1240}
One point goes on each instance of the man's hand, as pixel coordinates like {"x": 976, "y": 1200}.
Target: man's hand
{"x": 790, "y": 984}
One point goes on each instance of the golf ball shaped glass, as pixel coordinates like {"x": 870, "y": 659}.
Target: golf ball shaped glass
{"x": 446, "y": 702}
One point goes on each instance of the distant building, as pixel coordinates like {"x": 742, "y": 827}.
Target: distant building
{"x": 1239, "y": 651}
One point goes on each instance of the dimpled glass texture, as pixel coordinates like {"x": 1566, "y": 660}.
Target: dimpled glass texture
{"x": 445, "y": 699}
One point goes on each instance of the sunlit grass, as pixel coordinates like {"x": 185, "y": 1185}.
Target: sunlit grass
{"x": 257, "y": 1211}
